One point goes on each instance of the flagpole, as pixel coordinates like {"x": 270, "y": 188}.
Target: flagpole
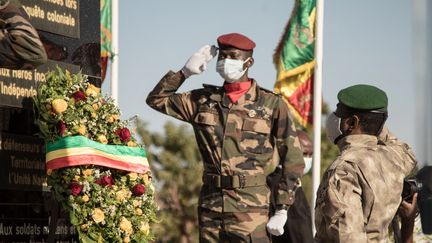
{"x": 115, "y": 50}
{"x": 317, "y": 105}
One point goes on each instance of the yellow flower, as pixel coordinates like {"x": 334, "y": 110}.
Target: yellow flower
{"x": 146, "y": 179}
{"x": 126, "y": 226}
{"x": 59, "y": 105}
{"x": 131, "y": 144}
{"x": 126, "y": 239}
{"x": 102, "y": 139}
{"x": 92, "y": 90}
{"x": 145, "y": 228}
{"x": 84, "y": 227}
{"x": 136, "y": 203}
{"x": 87, "y": 172}
{"x": 77, "y": 177}
{"x": 133, "y": 176}
{"x": 93, "y": 115}
{"x": 95, "y": 106}
{"x": 138, "y": 211}
{"x": 85, "y": 198}
{"x": 110, "y": 119}
{"x": 113, "y": 118}
{"x": 122, "y": 194}
{"x": 98, "y": 215}
{"x": 82, "y": 129}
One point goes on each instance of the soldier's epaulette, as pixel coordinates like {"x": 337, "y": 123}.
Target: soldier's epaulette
{"x": 269, "y": 91}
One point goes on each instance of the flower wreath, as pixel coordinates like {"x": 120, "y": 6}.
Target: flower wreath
{"x": 95, "y": 167}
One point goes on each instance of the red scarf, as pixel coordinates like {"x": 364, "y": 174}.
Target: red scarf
{"x": 237, "y": 89}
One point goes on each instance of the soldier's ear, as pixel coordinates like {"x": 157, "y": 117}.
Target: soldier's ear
{"x": 353, "y": 122}
{"x": 249, "y": 63}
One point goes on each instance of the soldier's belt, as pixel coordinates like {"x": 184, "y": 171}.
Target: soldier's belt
{"x": 235, "y": 181}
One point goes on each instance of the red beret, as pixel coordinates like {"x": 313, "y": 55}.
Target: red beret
{"x": 236, "y": 40}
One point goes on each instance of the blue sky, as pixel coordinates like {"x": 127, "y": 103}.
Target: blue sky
{"x": 365, "y": 41}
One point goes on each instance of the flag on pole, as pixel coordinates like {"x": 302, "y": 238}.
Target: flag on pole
{"x": 294, "y": 60}
{"x": 105, "y": 30}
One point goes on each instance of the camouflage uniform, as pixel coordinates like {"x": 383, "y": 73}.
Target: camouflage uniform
{"x": 236, "y": 142}
{"x": 361, "y": 190}
{"x": 20, "y": 46}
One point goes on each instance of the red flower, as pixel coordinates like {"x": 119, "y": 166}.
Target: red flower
{"x": 124, "y": 134}
{"x": 138, "y": 190}
{"x": 79, "y": 95}
{"x": 61, "y": 127}
{"x": 75, "y": 188}
{"x": 105, "y": 181}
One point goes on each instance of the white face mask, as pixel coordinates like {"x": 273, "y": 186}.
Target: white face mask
{"x": 333, "y": 127}
{"x": 308, "y": 164}
{"x": 231, "y": 69}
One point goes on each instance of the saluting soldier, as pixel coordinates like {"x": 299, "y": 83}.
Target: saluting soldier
{"x": 20, "y": 46}
{"x": 360, "y": 191}
{"x": 237, "y": 126}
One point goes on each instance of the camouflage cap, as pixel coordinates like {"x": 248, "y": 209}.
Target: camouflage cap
{"x": 363, "y": 97}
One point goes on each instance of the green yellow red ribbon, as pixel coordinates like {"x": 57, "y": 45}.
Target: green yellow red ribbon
{"x": 79, "y": 150}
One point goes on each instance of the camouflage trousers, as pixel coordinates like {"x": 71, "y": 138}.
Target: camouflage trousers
{"x": 233, "y": 227}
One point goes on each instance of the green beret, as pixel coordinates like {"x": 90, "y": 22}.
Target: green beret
{"x": 363, "y": 97}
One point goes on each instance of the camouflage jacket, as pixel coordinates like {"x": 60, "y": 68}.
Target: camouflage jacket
{"x": 20, "y": 46}
{"x": 361, "y": 190}
{"x": 235, "y": 140}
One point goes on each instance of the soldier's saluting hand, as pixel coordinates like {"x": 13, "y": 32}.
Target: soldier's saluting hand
{"x": 197, "y": 63}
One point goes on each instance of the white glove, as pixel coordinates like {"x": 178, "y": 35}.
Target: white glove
{"x": 197, "y": 63}
{"x": 276, "y": 223}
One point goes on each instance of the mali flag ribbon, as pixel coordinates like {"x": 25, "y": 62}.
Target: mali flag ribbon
{"x": 79, "y": 150}
{"x": 294, "y": 60}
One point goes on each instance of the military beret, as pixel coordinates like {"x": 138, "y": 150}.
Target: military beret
{"x": 236, "y": 40}
{"x": 363, "y": 97}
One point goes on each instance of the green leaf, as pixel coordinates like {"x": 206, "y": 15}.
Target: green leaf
{"x": 84, "y": 238}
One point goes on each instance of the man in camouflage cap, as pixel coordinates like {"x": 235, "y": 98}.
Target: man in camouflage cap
{"x": 360, "y": 191}
{"x": 237, "y": 127}
{"x": 20, "y": 46}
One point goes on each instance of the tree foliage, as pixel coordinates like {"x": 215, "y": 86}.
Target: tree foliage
{"x": 177, "y": 169}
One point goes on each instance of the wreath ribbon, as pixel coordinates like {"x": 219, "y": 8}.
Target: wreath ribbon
{"x": 79, "y": 150}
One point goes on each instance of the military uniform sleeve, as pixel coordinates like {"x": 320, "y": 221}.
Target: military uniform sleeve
{"x": 342, "y": 206}
{"x": 164, "y": 98}
{"x": 290, "y": 154}
{"x": 399, "y": 148}
{"x": 20, "y": 46}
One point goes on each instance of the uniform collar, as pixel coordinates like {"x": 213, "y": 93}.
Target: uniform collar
{"x": 236, "y": 90}
{"x": 251, "y": 95}
{"x": 357, "y": 140}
